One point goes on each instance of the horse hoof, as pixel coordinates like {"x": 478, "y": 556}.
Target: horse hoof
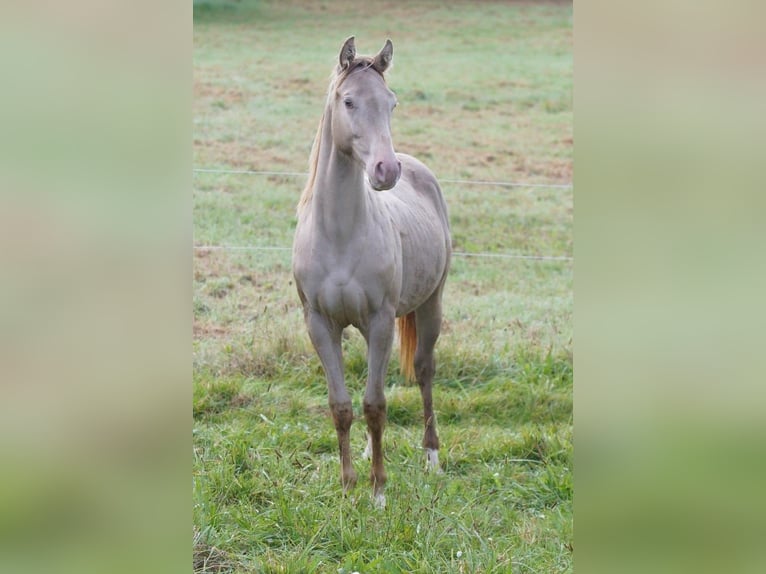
{"x": 432, "y": 461}
{"x": 367, "y": 454}
{"x": 379, "y": 501}
{"x": 348, "y": 483}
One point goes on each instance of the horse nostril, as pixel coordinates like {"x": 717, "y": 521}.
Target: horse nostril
{"x": 387, "y": 173}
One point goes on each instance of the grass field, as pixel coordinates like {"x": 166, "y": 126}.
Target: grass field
{"x": 484, "y": 93}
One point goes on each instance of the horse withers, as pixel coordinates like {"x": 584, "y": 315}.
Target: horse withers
{"x": 372, "y": 246}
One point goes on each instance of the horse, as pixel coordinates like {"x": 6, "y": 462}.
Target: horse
{"x": 372, "y": 250}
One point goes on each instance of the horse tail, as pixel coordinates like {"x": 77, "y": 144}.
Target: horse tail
{"x": 407, "y": 342}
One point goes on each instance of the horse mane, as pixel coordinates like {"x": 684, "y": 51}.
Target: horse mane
{"x": 336, "y": 79}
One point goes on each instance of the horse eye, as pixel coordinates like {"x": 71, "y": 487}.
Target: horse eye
{"x": 349, "y": 103}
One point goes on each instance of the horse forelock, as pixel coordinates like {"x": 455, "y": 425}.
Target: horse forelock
{"x": 337, "y": 77}
{"x": 360, "y": 63}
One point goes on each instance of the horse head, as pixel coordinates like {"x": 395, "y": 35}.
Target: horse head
{"x": 361, "y": 116}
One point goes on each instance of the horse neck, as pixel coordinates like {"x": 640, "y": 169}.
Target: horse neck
{"x": 339, "y": 197}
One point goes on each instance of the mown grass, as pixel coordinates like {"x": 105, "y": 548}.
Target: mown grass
{"x": 485, "y": 93}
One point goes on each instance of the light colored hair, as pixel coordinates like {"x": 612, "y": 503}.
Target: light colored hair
{"x": 336, "y": 79}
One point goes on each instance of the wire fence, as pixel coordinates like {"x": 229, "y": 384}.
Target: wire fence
{"x": 455, "y": 253}
{"x": 523, "y": 257}
{"x": 445, "y": 180}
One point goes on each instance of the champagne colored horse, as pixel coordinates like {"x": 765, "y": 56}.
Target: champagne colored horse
{"x": 372, "y": 244}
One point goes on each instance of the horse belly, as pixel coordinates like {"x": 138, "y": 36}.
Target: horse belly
{"x": 416, "y": 290}
{"x": 424, "y": 261}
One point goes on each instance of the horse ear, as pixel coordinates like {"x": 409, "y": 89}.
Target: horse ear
{"x": 383, "y": 60}
{"x": 347, "y": 53}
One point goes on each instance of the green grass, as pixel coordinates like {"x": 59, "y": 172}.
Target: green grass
{"x": 267, "y": 495}
{"x": 485, "y": 93}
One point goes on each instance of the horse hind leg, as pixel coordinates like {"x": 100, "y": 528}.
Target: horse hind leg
{"x": 428, "y": 319}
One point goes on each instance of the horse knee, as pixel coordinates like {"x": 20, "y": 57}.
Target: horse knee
{"x": 342, "y": 415}
{"x": 375, "y": 413}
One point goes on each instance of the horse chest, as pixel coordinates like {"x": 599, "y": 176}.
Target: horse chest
{"x": 343, "y": 299}
{"x": 349, "y": 286}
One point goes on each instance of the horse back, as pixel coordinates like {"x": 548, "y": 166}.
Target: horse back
{"x": 418, "y": 211}
{"x": 419, "y": 188}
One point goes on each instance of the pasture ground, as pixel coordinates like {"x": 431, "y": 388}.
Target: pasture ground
{"x": 484, "y": 93}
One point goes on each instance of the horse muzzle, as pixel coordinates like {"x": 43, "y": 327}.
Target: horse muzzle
{"x": 385, "y": 174}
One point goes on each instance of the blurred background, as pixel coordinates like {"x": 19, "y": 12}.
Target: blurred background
{"x": 96, "y": 225}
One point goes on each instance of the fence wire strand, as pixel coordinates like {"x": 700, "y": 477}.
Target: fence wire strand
{"x": 455, "y": 253}
{"x": 445, "y": 180}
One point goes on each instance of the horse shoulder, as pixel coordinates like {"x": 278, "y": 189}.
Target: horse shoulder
{"x": 418, "y": 173}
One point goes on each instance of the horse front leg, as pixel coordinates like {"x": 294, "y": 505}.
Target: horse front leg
{"x": 326, "y": 338}
{"x": 379, "y": 336}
